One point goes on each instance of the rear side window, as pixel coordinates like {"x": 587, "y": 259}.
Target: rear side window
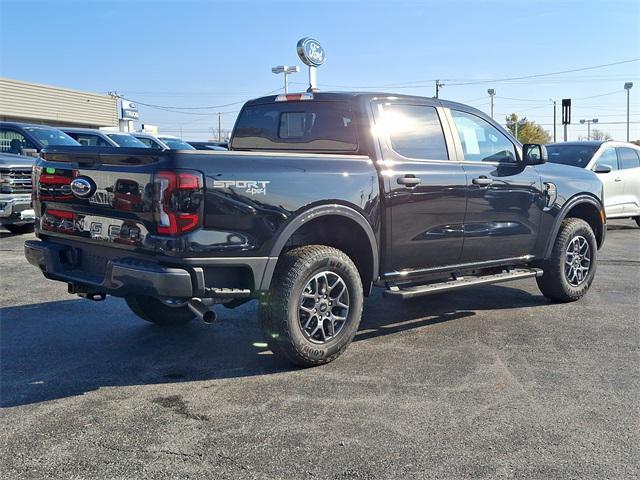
{"x": 414, "y": 131}
{"x": 304, "y": 125}
{"x": 628, "y": 158}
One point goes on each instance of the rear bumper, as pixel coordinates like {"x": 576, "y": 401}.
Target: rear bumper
{"x": 122, "y": 277}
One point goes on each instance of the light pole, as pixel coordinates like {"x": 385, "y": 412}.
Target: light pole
{"x": 554, "y": 118}
{"x": 515, "y": 125}
{"x": 589, "y": 122}
{"x": 492, "y": 93}
{"x": 287, "y": 71}
{"x": 627, "y": 87}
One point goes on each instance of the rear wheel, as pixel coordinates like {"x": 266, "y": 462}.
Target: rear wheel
{"x": 570, "y": 269}
{"x": 637, "y": 219}
{"x": 20, "y": 229}
{"x": 155, "y": 311}
{"x": 313, "y": 309}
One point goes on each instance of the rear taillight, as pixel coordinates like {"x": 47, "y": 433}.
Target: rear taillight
{"x": 177, "y": 201}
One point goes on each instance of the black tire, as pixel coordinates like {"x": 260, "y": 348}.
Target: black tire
{"x": 153, "y": 310}
{"x": 20, "y": 229}
{"x": 637, "y": 219}
{"x": 279, "y": 312}
{"x": 554, "y": 283}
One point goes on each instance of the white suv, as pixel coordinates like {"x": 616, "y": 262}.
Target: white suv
{"x": 618, "y": 166}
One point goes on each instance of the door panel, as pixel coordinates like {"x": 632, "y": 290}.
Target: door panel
{"x": 503, "y": 216}
{"x": 630, "y": 173}
{"x": 504, "y": 197}
{"x": 425, "y": 192}
{"x": 613, "y": 182}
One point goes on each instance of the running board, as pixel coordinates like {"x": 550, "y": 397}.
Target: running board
{"x": 463, "y": 282}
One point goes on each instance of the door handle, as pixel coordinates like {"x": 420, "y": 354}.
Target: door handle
{"x": 482, "y": 181}
{"x": 617, "y": 179}
{"x": 409, "y": 181}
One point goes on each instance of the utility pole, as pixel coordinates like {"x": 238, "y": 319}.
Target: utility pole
{"x": 492, "y": 93}
{"x": 219, "y": 130}
{"x": 554, "y": 118}
{"x": 438, "y": 87}
{"x": 627, "y": 87}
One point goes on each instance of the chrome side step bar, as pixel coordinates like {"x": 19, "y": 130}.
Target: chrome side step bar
{"x": 463, "y": 282}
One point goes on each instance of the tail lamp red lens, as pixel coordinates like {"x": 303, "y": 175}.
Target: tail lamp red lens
{"x": 177, "y": 201}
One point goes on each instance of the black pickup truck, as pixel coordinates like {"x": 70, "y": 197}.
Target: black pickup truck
{"x": 321, "y": 197}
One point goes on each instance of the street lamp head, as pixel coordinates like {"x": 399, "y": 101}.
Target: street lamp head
{"x": 583, "y": 122}
{"x": 285, "y": 69}
{"x": 595, "y": 120}
{"x": 491, "y": 92}
{"x": 628, "y": 85}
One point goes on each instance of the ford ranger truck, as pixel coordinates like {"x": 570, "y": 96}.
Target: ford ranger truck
{"x": 321, "y": 197}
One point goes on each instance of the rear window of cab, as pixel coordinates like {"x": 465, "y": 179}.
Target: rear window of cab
{"x": 296, "y": 126}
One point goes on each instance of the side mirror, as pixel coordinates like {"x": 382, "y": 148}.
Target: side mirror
{"x": 602, "y": 168}
{"x": 534, "y": 154}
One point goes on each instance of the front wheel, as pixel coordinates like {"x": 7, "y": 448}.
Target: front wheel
{"x": 570, "y": 269}
{"x": 313, "y": 309}
{"x": 155, "y": 311}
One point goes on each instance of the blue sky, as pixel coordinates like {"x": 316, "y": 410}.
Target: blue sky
{"x": 205, "y": 53}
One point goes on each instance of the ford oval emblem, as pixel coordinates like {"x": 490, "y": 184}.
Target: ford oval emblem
{"x": 311, "y": 52}
{"x": 83, "y": 187}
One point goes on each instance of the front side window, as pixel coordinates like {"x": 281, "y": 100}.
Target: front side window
{"x": 51, "y": 136}
{"x": 12, "y": 141}
{"x": 414, "y": 131}
{"x": 609, "y": 159}
{"x": 297, "y": 126}
{"x": 481, "y": 141}
{"x": 628, "y": 158}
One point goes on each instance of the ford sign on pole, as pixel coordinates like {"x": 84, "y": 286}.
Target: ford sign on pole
{"x": 312, "y": 54}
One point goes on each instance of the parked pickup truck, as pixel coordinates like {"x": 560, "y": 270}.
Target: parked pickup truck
{"x": 16, "y": 214}
{"x": 321, "y": 198}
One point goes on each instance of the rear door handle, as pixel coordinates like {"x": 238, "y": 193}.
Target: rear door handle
{"x": 482, "y": 181}
{"x": 409, "y": 181}
{"x": 617, "y": 179}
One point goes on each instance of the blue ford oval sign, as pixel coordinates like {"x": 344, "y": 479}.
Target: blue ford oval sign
{"x": 311, "y": 52}
{"x": 83, "y": 187}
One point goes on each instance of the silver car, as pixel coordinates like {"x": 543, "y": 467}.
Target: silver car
{"x": 162, "y": 142}
{"x": 618, "y": 166}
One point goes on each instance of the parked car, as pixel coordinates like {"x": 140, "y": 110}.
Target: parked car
{"x": 618, "y": 166}
{"x": 209, "y": 145}
{"x": 28, "y": 139}
{"x": 16, "y": 213}
{"x": 322, "y": 197}
{"x": 162, "y": 142}
{"x": 91, "y": 137}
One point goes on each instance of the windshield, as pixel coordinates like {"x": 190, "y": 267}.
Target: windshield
{"x": 573, "y": 155}
{"x": 126, "y": 140}
{"x": 51, "y": 136}
{"x": 176, "y": 143}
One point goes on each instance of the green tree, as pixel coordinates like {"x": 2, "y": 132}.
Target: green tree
{"x": 528, "y": 131}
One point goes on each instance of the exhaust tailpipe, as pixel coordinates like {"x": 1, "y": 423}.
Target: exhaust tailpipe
{"x": 201, "y": 310}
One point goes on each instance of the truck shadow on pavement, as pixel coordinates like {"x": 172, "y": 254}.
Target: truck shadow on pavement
{"x": 66, "y": 348}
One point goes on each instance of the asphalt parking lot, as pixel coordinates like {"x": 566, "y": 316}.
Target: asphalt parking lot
{"x": 493, "y": 382}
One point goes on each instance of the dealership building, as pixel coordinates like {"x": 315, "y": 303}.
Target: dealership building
{"x": 63, "y": 107}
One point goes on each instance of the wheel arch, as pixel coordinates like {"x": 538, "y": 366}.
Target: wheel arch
{"x": 336, "y": 225}
{"x": 585, "y": 207}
